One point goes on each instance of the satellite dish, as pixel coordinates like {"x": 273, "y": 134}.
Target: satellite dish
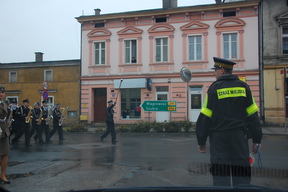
{"x": 186, "y": 74}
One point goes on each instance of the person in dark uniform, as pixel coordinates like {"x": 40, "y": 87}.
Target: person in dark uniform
{"x": 36, "y": 120}
{"x": 45, "y": 120}
{"x": 14, "y": 121}
{"x": 57, "y": 115}
{"x": 24, "y": 117}
{"x": 229, "y": 117}
{"x": 4, "y": 137}
{"x": 110, "y": 123}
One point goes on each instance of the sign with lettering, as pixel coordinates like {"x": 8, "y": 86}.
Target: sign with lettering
{"x": 169, "y": 106}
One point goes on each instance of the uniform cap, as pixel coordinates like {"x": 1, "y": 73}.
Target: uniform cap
{"x": 26, "y": 101}
{"x": 2, "y": 88}
{"x": 36, "y": 104}
{"x": 222, "y": 63}
{"x": 110, "y": 102}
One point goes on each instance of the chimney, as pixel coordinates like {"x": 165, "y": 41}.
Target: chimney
{"x": 38, "y": 57}
{"x": 168, "y": 4}
{"x": 97, "y": 11}
{"x": 218, "y": 1}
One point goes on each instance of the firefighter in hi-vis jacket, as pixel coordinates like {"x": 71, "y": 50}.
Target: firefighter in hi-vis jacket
{"x": 229, "y": 117}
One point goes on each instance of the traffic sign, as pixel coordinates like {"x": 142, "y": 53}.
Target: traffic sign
{"x": 45, "y": 85}
{"x": 45, "y": 94}
{"x": 159, "y": 106}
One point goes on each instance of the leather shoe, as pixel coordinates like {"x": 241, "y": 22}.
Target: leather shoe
{"x": 4, "y": 182}
{"x": 114, "y": 142}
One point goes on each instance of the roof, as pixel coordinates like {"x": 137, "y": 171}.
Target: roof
{"x": 155, "y": 12}
{"x": 41, "y": 64}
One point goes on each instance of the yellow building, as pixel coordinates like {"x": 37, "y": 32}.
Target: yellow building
{"x": 25, "y": 80}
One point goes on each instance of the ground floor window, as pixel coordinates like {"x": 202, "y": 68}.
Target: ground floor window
{"x": 130, "y": 103}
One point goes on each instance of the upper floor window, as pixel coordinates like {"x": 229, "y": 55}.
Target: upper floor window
{"x": 195, "y": 48}
{"x": 161, "y": 49}
{"x": 97, "y": 25}
{"x": 230, "y": 44}
{"x": 130, "y": 51}
{"x": 229, "y": 14}
{"x": 285, "y": 40}
{"x": 100, "y": 50}
{"x": 12, "y": 77}
{"x": 48, "y": 75}
{"x": 161, "y": 20}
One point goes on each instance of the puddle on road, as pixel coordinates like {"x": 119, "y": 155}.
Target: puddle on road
{"x": 88, "y": 146}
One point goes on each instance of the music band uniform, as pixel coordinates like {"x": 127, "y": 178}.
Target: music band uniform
{"x": 110, "y": 122}
{"x": 57, "y": 115}
{"x": 24, "y": 128}
{"x": 45, "y": 120}
{"x": 36, "y": 117}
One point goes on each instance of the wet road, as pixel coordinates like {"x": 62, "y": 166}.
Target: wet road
{"x": 82, "y": 161}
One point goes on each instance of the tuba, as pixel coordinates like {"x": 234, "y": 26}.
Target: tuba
{"x": 28, "y": 117}
{"x": 62, "y": 115}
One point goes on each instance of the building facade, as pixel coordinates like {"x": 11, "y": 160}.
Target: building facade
{"x": 137, "y": 56}
{"x": 29, "y": 80}
{"x": 274, "y": 58}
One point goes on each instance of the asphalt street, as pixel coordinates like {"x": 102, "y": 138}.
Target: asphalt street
{"x": 82, "y": 161}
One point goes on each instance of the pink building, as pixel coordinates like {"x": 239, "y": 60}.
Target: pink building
{"x": 150, "y": 47}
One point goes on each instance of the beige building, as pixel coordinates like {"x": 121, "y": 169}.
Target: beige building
{"x": 274, "y": 43}
{"x": 26, "y": 79}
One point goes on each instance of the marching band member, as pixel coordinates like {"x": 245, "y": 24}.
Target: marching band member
{"x": 24, "y": 116}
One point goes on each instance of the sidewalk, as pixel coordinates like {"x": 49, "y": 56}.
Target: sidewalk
{"x": 274, "y": 130}
{"x": 267, "y": 130}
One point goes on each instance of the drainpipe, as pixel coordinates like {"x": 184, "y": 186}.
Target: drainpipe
{"x": 261, "y": 65}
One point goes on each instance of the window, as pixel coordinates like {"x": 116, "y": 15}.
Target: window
{"x": 12, "y": 98}
{"x": 161, "y": 49}
{"x": 230, "y": 46}
{"x": 161, "y": 20}
{"x": 97, "y": 25}
{"x": 195, "y": 48}
{"x": 12, "y": 77}
{"x": 285, "y": 40}
{"x": 229, "y": 14}
{"x": 100, "y": 53}
{"x": 130, "y": 51}
{"x": 130, "y": 103}
{"x": 48, "y": 75}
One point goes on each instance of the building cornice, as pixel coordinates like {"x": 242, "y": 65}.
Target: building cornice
{"x": 60, "y": 63}
{"x": 159, "y": 12}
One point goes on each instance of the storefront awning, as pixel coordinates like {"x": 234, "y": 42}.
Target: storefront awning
{"x": 130, "y": 83}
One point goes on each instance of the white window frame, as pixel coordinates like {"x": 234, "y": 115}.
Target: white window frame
{"x": 130, "y": 51}
{"x": 12, "y": 98}
{"x": 230, "y": 45}
{"x": 100, "y": 53}
{"x": 162, "y": 50}
{"x": 10, "y": 77}
{"x": 195, "y": 47}
{"x": 46, "y": 76}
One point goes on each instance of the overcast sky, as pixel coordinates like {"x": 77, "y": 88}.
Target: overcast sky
{"x": 50, "y": 27}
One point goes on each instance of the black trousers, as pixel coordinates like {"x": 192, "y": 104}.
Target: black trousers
{"x": 110, "y": 129}
{"x": 59, "y": 129}
{"x": 45, "y": 129}
{"x": 229, "y": 151}
{"x": 24, "y": 128}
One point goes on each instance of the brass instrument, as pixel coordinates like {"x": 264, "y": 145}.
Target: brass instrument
{"x": 62, "y": 115}
{"x": 10, "y": 119}
{"x": 40, "y": 118}
{"x": 28, "y": 117}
